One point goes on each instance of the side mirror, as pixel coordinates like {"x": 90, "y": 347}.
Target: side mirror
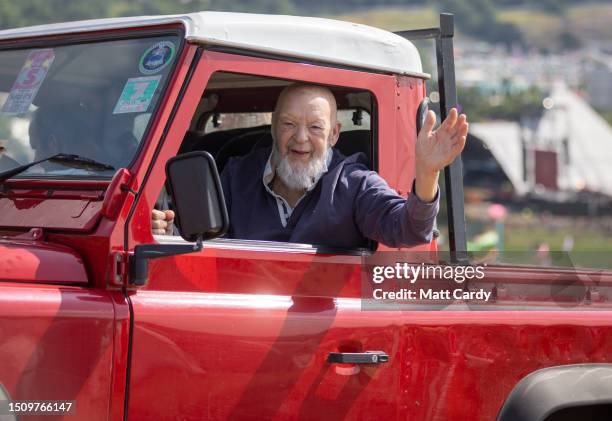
{"x": 195, "y": 187}
{"x": 196, "y": 192}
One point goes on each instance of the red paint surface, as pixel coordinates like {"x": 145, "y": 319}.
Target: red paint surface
{"x": 120, "y": 352}
{"x": 33, "y": 261}
{"x": 247, "y": 333}
{"x": 115, "y": 194}
{"x": 259, "y": 357}
{"x": 63, "y": 342}
{"x": 56, "y": 343}
{"x": 63, "y": 214}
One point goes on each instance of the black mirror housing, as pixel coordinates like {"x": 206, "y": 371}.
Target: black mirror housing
{"x": 197, "y": 195}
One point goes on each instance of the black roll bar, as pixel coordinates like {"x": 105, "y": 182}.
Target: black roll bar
{"x": 453, "y": 174}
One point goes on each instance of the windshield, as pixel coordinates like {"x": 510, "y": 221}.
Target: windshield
{"x": 93, "y": 100}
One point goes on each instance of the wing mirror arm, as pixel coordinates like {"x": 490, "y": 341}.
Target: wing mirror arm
{"x": 139, "y": 263}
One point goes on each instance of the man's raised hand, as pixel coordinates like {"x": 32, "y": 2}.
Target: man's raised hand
{"x": 435, "y": 149}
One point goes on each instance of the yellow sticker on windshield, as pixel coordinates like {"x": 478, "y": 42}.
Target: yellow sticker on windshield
{"x": 28, "y": 81}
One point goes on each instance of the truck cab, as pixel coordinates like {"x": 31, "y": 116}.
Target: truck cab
{"x": 98, "y": 310}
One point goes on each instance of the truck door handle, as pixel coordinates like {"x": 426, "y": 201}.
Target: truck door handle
{"x": 368, "y": 357}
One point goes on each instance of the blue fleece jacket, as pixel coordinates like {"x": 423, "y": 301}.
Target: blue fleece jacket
{"x": 349, "y": 205}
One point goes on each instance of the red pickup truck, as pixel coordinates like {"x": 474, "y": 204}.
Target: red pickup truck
{"x": 99, "y": 319}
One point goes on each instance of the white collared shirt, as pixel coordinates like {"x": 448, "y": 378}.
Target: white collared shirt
{"x": 284, "y": 209}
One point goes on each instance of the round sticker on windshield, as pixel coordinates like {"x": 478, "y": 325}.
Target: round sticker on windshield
{"x": 156, "y": 57}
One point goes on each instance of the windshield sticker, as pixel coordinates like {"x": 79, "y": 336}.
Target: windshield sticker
{"x": 137, "y": 94}
{"x": 28, "y": 81}
{"x": 156, "y": 57}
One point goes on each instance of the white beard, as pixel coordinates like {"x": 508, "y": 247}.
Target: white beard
{"x": 300, "y": 176}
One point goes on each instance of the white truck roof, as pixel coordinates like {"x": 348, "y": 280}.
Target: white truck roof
{"x": 318, "y": 39}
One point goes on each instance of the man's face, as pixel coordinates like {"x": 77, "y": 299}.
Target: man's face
{"x": 305, "y": 128}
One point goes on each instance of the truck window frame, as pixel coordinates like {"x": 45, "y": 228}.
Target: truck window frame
{"x": 212, "y": 61}
{"x": 280, "y": 246}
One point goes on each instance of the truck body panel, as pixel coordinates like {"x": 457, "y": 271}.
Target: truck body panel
{"x": 57, "y": 343}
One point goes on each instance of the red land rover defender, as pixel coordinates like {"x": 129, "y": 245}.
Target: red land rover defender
{"x": 96, "y": 310}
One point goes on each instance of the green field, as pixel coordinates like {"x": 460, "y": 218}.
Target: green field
{"x": 524, "y": 238}
{"x": 592, "y": 242}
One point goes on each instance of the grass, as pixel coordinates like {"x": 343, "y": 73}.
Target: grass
{"x": 592, "y": 245}
{"x": 586, "y": 241}
{"x": 394, "y": 19}
{"x": 539, "y": 28}
{"x": 591, "y": 21}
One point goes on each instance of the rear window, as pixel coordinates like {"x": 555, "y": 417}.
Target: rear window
{"x": 351, "y": 119}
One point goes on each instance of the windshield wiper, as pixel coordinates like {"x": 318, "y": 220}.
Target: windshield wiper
{"x": 73, "y": 161}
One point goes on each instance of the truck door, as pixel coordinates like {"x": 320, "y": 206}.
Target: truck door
{"x": 246, "y": 332}
{"x": 245, "y": 329}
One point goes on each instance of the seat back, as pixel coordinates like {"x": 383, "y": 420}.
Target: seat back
{"x": 242, "y": 144}
{"x": 354, "y": 141}
{"x": 209, "y": 142}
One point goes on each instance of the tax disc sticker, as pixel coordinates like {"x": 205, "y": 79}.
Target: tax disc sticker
{"x": 156, "y": 57}
{"x": 29, "y": 79}
{"x": 137, "y": 94}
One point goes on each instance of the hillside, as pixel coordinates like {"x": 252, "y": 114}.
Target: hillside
{"x": 575, "y": 26}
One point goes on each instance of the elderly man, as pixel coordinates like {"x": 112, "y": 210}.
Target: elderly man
{"x": 305, "y": 191}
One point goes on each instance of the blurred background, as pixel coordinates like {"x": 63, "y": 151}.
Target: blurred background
{"x": 535, "y": 81}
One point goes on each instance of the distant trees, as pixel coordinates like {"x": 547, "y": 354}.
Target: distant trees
{"x": 477, "y": 18}
{"x": 33, "y": 12}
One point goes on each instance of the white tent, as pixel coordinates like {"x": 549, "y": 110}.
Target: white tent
{"x": 503, "y": 138}
{"x": 584, "y": 164}
{"x": 589, "y": 139}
